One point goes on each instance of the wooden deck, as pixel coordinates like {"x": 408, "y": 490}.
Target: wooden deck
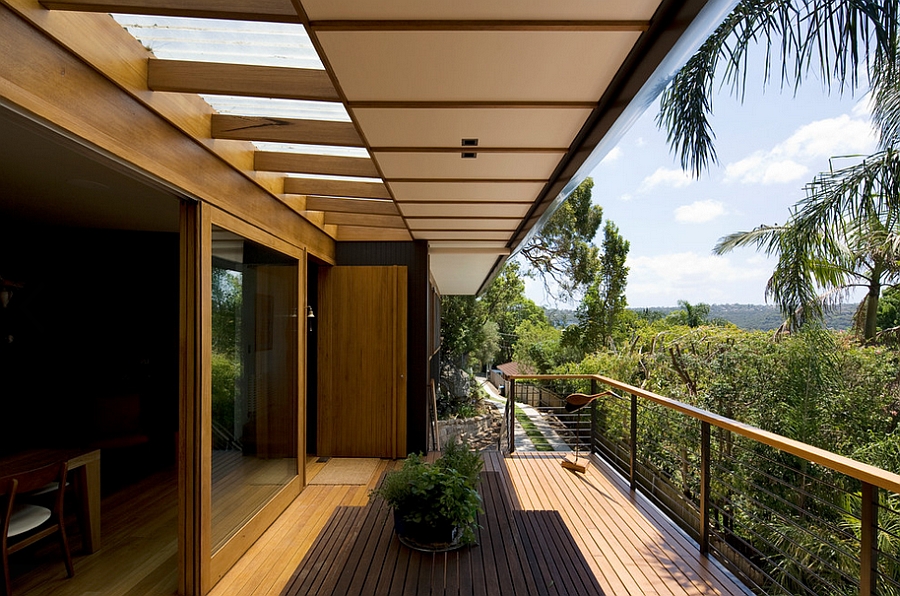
{"x": 628, "y": 546}
{"x": 518, "y": 552}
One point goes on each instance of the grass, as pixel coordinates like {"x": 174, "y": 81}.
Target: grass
{"x": 537, "y": 438}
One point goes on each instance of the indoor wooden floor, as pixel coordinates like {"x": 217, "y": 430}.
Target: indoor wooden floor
{"x": 138, "y": 554}
{"x": 631, "y": 549}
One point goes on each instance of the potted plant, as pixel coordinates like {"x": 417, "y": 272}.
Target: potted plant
{"x": 435, "y": 504}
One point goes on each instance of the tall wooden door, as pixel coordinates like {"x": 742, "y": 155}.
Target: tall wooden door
{"x": 362, "y": 362}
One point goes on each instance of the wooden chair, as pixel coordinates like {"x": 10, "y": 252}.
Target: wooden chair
{"x": 24, "y": 524}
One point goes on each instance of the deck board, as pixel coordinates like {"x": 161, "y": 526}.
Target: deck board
{"x": 354, "y": 538}
{"x": 629, "y": 547}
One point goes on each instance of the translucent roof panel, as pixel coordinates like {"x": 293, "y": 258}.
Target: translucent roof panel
{"x": 234, "y": 42}
{"x": 312, "y": 149}
{"x": 336, "y": 178}
{"x": 242, "y": 42}
{"x": 277, "y": 108}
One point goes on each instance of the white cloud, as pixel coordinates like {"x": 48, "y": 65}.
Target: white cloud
{"x": 764, "y": 168}
{"x": 699, "y": 211}
{"x": 808, "y": 148}
{"x": 672, "y": 178}
{"x": 662, "y": 280}
{"x": 612, "y": 156}
{"x": 784, "y": 171}
{"x": 829, "y": 137}
{"x": 626, "y": 197}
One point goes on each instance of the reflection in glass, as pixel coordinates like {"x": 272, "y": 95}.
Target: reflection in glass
{"x": 254, "y": 379}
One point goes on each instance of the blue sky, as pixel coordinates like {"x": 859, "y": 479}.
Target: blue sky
{"x": 768, "y": 147}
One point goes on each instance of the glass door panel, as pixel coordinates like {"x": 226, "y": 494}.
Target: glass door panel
{"x": 254, "y": 379}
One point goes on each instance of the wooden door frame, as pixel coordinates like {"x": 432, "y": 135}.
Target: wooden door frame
{"x": 199, "y": 568}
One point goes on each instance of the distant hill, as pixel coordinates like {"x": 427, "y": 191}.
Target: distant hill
{"x": 762, "y": 317}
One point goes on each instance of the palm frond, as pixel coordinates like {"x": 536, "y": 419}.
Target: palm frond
{"x": 765, "y": 238}
{"x": 825, "y": 38}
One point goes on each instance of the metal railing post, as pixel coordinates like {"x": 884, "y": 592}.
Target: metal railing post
{"x": 704, "y": 488}
{"x": 868, "y": 541}
{"x": 511, "y": 416}
{"x": 632, "y": 477}
{"x": 592, "y": 426}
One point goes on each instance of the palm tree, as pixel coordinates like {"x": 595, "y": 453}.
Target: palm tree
{"x": 828, "y": 39}
{"x": 844, "y": 235}
{"x": 693, "y": 315}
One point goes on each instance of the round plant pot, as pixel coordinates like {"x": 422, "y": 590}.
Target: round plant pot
{"x": 427, "y": 537}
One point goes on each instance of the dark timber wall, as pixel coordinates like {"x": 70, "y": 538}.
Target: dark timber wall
{"x": 414, "y": 255}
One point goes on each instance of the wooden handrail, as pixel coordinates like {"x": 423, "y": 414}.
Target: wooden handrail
{"x": 845, "y": 465}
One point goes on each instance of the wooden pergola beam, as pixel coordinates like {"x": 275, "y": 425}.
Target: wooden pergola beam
{"x": 276, "y": 11}
{"x": 364, "y": 219}
{"x": 345, "y": 205}
{"x": 328, "y": 165}
{"x": 185, "y": 76}
{"x": 285, "y": 130}
{"x": 362, "y": 233}
{"x": 335, "y": 188}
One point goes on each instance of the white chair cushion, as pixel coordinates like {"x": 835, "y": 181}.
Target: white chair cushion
{"x": 26, "y": 517}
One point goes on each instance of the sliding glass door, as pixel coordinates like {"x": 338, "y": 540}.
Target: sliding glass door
{"x": 254, "y": 379}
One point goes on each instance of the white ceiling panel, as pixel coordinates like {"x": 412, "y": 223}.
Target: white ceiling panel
{"x": 487, "y": 166}
{"x": 466, "y": 191}
{"x": 493, "y": 127}
{"x": 481, "y": 9}
{"x": 474, "y": 235}
{"x": 461, "y": 273}
{"x": 475, "y": 65}
{"x": 463, "y": 209}
{"x": 474, "y": 223}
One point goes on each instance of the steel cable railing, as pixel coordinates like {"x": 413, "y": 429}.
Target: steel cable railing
{"x": 785, "y": 517}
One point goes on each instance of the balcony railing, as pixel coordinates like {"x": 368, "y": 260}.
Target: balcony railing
{"x": 785, "y": 517}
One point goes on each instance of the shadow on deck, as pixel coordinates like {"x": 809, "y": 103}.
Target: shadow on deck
{"x": 518, "y": 552}
{"x": 545, "y": 531}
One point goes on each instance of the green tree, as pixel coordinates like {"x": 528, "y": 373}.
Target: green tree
{"x": 226, "y": 310}
{"x": 505, "y": 303}
{"x": 460, "y": 327}
{"x": 692, "y": 315}
{"x": 538, "y": 346}
{"x": 604, "y": 302}
{"x": 889, "y": 309}
{"x": 489, "y": 348}
{"x": 844, "y": 235}
{"x": 563, "y": 253}
{"x": 613, "y": 278}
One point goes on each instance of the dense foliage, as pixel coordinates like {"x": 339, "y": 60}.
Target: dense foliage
{"x": 816, "y": 386}
{"x": 798, "y": 523}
